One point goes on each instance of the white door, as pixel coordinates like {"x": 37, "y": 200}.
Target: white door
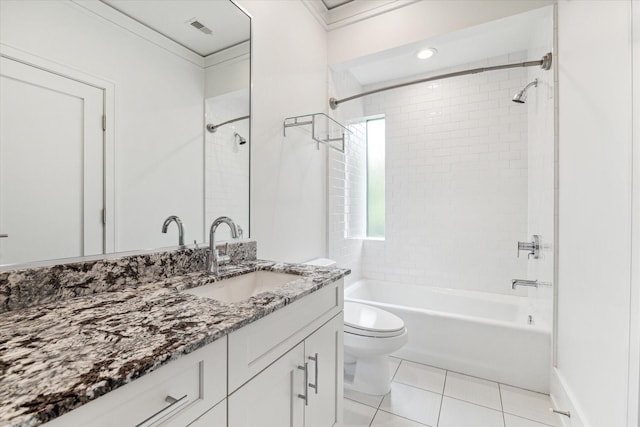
{"x": 271, "y": 398}
{"x": 51, "y": 165}
{"x": 323, "y": 351}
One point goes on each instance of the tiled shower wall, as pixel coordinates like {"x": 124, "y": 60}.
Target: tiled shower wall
{"x": 456, "y": 182}
{"x": 346, "y": 186}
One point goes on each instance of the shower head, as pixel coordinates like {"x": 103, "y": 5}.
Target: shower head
{"x": 239, "y": 139}
{"x": 521, "y": 96}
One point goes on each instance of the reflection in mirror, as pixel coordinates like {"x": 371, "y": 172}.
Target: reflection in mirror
{"x": 102, "y": 129}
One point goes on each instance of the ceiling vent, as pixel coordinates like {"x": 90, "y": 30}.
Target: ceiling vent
{"x": 199, "y": 26}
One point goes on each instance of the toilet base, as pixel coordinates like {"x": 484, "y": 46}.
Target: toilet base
{"x": 369, "y": 375}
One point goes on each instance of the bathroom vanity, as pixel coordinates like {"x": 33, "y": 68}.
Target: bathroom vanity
{"x": 149, "y": 352}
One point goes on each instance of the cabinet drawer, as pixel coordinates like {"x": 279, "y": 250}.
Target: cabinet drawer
{"x": 256, "y": 346}
{"x": 197, "y": 381}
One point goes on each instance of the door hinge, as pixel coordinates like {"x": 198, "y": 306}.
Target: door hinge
{"x": 104, "y": 216}
{"x": 104, "y": 122}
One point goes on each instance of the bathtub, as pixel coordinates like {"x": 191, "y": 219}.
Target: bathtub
{"x": 475, "y": 333}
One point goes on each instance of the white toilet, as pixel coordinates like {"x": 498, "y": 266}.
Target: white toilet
{"x": 370, "y": 336}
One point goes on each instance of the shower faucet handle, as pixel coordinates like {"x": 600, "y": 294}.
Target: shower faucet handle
{"x": 532, "y": 247}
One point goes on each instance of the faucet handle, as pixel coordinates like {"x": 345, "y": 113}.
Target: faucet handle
{"x": 532, "y": 247}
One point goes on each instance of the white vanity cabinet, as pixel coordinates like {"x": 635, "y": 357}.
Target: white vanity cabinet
{"x": 175, "y": 395}
{"x": 286, "y": 368}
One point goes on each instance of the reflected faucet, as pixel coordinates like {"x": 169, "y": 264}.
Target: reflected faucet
{"x": 180, "y": 229}
{"x": 215, "y": 258}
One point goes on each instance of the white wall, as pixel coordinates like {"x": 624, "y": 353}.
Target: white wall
{"x": 288, "y": 175}
{"x": 418, "y": 21}
{"x": 228, "y": 70}
{"x": 158, "y": 114}
{"x": 595, "y": 199}
{"x": 634, "y": 362}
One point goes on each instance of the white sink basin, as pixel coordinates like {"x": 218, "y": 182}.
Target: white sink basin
{"x": 240, "y": 288}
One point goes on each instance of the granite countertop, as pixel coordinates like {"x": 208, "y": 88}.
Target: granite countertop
{"x": 57, "y": 356}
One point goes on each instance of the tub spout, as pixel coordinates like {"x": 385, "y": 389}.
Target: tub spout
{"x": 520, "y": 282}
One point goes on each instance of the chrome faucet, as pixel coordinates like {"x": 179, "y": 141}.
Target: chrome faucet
{"x": 215, "y": 258}
{"x": 533, "y": 247}
{"x": 180, "y": 229}
{"x": 520, "y": 282}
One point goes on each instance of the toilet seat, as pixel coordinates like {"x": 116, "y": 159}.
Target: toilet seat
{"x": 369, "y": 321}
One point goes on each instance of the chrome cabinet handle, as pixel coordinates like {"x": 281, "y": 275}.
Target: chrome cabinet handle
{"x": 174, "y": 405}
{"x": 4, "y": 235}
{"x": 305, "y": 396}
{"x": 315, "y": 386}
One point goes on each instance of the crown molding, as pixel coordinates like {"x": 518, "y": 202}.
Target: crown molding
{"x": 352, "y": 12}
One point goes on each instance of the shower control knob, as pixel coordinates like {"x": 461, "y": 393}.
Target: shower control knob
{"x": 532, "y": 247}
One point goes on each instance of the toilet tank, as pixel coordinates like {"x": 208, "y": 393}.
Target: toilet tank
{"x": 321, "y": 262}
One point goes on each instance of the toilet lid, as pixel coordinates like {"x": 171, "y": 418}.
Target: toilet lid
{"x": 367, "y": 320}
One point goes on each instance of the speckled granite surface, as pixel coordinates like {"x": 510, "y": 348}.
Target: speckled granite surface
{"x": 57, "y": 356}
{"x": 39, "y": 285}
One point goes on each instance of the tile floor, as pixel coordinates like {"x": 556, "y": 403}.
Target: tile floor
{"x": 422, "y": 396}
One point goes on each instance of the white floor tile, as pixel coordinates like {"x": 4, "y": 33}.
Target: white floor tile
{"x": 527, "y": 404}
{"x": 513, "y": 421}
{"x": 413, "y": 403}
{"x": 421, "y": 376}
{"x": 474, "y": 390}
{"x": 367, "y": 399}
{"x": 385, "y": 419}
{"x": 356, "y": 414}
{"x": 456, "y": 413}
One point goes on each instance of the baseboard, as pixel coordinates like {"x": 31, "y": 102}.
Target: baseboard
{"x": 563, "y": 400}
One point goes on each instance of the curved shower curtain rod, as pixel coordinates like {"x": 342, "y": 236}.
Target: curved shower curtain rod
{"x": 544, "y": 63}
{"x": 212, "y": 128}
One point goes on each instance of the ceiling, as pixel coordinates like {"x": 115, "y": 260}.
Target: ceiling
{"x": 496, "y": 38}
{"x": 172, "y": 19}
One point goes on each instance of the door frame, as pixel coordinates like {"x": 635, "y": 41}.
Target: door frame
{"x": 109, "y": 89}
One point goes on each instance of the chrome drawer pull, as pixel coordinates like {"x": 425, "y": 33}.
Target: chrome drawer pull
{"x": 174, "y": 405}
{"x": 315, "y": 386}
{"x": 305, "y": 396}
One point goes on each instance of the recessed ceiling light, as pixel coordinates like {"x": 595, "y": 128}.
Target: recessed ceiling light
{"x": 426, "y": 53}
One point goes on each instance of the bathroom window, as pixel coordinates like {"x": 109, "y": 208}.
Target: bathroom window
{"x": 375, "y": 136}
{"x": 364, "y": 209}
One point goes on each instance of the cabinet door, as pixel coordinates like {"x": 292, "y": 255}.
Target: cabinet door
{"x": 323, "y": 351}
{"x": 271, "y": 399}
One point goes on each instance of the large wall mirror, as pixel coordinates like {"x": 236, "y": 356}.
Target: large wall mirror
{"x": 116, "y": 114}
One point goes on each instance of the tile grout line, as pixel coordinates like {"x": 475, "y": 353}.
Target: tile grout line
{"x": 444, "y": 386}
{"x": 382, "y": 400}
{"x": 404, "y": 418}
{"x": 374, "y": 417}
{"x": 504, "y": 420}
